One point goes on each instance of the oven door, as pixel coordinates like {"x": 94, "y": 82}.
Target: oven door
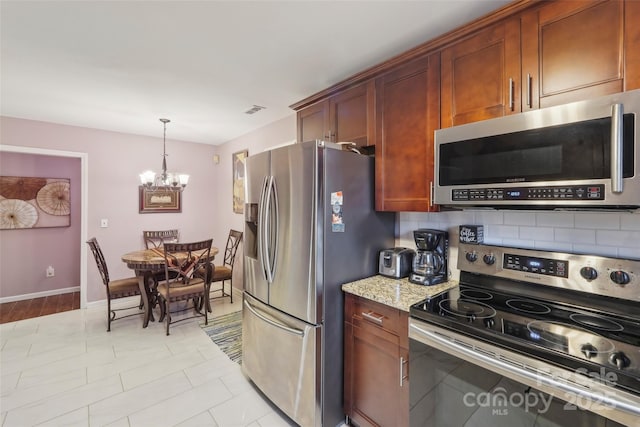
{"x": 459, "y": 381}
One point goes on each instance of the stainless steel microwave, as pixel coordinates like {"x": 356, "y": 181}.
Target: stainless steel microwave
{"x": 579, "y": 155}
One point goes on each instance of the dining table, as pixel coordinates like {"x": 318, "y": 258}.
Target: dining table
{"x": 147, "y": 264}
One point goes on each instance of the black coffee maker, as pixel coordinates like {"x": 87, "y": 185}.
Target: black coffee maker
{"x": 430, "y": 261}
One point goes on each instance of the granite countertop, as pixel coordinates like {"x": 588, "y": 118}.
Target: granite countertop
{"x": 397, "y": 293}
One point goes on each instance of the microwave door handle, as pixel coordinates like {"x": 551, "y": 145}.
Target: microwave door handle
{"x": 617, "y": 110}
{"x": 262, "y": 226}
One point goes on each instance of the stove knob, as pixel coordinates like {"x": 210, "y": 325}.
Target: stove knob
{"x": 471, "y": 317}
{"x": 589, "y": 273}
{"x": 620, "y": 360}
{"x": 620, "y": 277}
{"x": 588, "y": 350}
{"x": 489, "y": 323}
{"x": 471, "y": 256}
{"x": 489, "y": 259}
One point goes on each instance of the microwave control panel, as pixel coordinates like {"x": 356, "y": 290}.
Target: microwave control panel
{"x": 561, "y": 192}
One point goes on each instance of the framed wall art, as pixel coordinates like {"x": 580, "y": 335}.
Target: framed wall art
{"x": 160, "y": 200}
{"x": 27, "y": 202}
{"x": 238, "y": 160}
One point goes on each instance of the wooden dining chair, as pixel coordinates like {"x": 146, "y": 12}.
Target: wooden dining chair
{"x": 155, "y": 238}
{"x": 120, "y": 288}
{"x": 224, "y": 272}
{"x": 188, "y": 272}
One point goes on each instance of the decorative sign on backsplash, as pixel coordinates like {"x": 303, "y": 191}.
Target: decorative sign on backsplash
{"x": 473, "y": 234}
{"x": 34, "y": 202}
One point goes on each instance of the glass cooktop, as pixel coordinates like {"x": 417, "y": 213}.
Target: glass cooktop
{"x": 576, "y": 337}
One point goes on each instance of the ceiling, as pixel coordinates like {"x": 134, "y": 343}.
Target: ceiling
{"x": 122, "y": 65}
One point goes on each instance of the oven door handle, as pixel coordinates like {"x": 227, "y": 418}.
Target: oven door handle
{"x": 435, "y": 339}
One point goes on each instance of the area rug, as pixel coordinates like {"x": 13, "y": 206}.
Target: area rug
{"x": 226, "y": 332}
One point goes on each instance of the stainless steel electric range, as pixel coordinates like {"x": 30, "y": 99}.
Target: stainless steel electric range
{"x": 529, "y": 337}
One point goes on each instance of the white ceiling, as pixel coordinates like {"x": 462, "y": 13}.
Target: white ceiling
{"x": 121, "y": 65}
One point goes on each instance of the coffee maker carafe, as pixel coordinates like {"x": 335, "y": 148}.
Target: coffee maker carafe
{"x": 430, "y": 262}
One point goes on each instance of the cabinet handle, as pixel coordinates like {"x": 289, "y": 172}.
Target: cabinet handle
{"x": 402, "y": 376}
{"x": 431, "y": 194}
{"x": 529, "y": 94}
{"x": 511, "y": 94}
{"x": 373, "y": 318}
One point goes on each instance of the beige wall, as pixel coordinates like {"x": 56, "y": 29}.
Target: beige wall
{"x": 276, "y": 133}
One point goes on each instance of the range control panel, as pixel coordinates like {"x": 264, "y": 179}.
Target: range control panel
{"x": 551, "y": 267}
{"x": 614, "y": 277}
{"x": 560, "y": 193}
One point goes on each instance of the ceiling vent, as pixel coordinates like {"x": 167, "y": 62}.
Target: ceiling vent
{"x": 254, "y": 109}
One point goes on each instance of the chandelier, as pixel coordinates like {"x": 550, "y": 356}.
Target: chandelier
{"x": 165, "y": 180}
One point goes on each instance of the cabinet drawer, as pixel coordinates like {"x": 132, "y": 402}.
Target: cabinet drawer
{"x": 366, "y": 313}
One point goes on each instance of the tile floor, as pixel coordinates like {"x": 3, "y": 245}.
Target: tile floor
{"x": 64, "y": 369}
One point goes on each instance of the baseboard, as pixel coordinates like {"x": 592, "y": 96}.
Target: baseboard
{"x": 116, "y": 303}
{"x": 40, "y": 294}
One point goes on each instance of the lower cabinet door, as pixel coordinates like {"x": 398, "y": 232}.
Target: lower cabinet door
{"x": 376, "y": 384}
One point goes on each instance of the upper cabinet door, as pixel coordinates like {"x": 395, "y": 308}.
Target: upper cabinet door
{"x": 352, "y": 115}
{"x": 481, "y": 75}
{"x": 407, "y": 114}
{"x": 313, "y": 122}
{"x": 575, "y": 50}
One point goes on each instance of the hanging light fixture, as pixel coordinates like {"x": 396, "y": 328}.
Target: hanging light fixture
{"x": 164, "y": 180}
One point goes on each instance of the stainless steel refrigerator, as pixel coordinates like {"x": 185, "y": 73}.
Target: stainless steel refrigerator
{"x": 310, "y": 226}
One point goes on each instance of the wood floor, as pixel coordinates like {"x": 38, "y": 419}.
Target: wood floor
{"x": 26, "y": 309}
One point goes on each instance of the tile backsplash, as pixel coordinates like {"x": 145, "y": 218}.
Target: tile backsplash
{"x": 610, "y": 234}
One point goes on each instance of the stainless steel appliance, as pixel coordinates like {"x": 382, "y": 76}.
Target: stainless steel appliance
{"x": 310, "y": 226}
{"x": 529, "y": 337}
{"x": 396, "y": 262}
{"x": 430, "y": 262}
{"x": 580, "y": 155}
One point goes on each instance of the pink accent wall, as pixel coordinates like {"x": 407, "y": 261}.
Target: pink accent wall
{"x": 26, "y": 253}
{"x": 114, "y": 162}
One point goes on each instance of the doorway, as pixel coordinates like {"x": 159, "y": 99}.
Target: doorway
{"x": 83, "y": 202}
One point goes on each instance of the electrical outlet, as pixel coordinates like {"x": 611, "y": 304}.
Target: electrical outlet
{"x": 104, "y": 223}
{"x": 51, "y": 271}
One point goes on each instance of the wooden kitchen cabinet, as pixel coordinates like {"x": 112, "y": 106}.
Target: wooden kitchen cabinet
{"x": 575, "y": 50}
{"x": 376, "y": 385}
{"x": 313, "y": 122}
{"x": 481, "y": 75}
{"x": 407, "y": 114}
{"x": 347, "y": 116}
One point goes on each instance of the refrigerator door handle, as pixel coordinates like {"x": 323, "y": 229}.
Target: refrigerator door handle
{"x": 270, "y": 231}
{"x": 274, "y": 236}
{"x": 272, "y": 322}
{"x": 266, "y": 231}
{"x": 261, "y": 226}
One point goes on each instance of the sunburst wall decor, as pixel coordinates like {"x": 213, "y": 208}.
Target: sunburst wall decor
{"x": 34, "y": 202}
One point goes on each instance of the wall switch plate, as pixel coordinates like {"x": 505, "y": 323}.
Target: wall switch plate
{"x": 104, "y": 223}
{"x": 51, "y": 271}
